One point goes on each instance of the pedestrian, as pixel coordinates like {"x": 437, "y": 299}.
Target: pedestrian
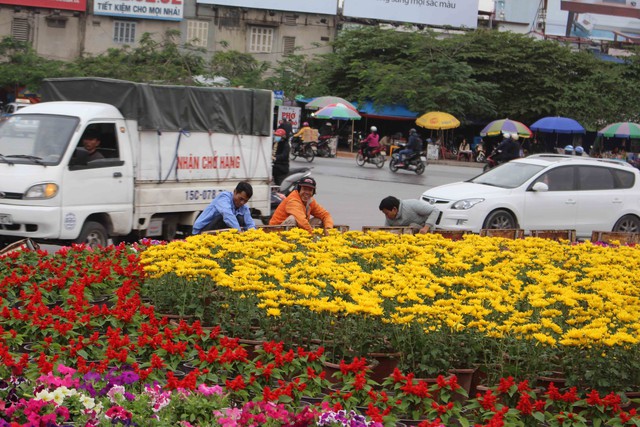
{"x": 409, "y": 213}
{"x": 300, "y": 209}
{"x": 286, "y": 126}
{"x": 227, "y": 210}
{"x": 280, "y": 156}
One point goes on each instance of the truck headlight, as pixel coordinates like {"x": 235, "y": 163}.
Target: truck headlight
{"x": 42, "y": 191}
{"x": 466, "y": 204}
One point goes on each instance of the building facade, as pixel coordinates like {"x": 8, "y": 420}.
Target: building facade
{"x": 64, "y": 30}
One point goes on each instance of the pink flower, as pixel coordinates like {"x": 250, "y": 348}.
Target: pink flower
{"x": 209, "y": 391}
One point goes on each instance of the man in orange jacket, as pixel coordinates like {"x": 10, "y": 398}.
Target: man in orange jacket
{"x": 301, "y": 210}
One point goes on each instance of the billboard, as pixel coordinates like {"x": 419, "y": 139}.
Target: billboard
{"x": 168, "y": 10}
{"x": 77, "y": 5}
{"x": 455, "y": 13}
{"x": 597, "y": 20}
{"x": 325, "y": 7}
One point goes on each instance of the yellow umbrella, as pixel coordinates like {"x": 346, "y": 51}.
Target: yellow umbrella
{"x": 437, "y": 120}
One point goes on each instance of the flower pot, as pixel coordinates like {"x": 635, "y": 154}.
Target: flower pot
{"x": 329, "y": 369}
{"x": 251, "y": 346}
{"x": 385, "y": 364}
{"x": 465, "y": 378}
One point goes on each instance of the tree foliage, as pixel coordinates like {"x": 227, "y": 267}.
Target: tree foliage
{"x": 163, "y": 61}
{"x": 477, "y": 76}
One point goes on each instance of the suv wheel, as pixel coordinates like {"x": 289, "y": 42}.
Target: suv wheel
{"x": 500, "y": 220}
{"x": 628, "y": 224}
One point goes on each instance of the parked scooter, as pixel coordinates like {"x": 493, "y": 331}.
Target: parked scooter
{"x": 322, "y": 148}
{"x": 280, "y": 192}
{"x": 376, "y": 156}
{"x": 414, "y": 163}
{"x": 302, "y": 149}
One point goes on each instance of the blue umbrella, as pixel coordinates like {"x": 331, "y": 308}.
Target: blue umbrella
{"x": 557, "y": 125}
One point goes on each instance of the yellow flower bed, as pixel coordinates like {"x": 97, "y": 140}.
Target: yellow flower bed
{"x": 548, "y": 293}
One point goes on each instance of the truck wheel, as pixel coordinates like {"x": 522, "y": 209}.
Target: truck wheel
{"x": 93, "y": 234}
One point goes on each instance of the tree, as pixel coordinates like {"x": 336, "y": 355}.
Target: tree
{"x": 21, "y": 65}
{"x": 413, "y": 69}
{"x": 163, "y": 61}
{"x": 241, "y": 69}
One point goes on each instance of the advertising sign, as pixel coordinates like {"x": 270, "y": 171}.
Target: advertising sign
{"x": 325, "y": 7}
{"x": 455, "y": 13}
{"x": 168, "y": 10}
{"x": 595, "y": 19}
{"x": 77, "y": 5}
{"x": 290, "y": 113}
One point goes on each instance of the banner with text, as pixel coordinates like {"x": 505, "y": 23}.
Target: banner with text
{"x": 168, "y": 10}
{"x": 292, "y": 114}
{"x": 455, "y": 13}
{"x": 77, "y": 5}
{"x": 325, "y": 7}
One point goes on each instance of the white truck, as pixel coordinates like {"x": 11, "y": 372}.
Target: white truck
{"x": 165, "y": 153}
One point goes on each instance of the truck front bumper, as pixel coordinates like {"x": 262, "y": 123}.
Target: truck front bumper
{"x": 36, "y": 222}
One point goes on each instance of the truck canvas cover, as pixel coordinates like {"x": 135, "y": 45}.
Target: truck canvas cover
{"x": 172, "y": 108}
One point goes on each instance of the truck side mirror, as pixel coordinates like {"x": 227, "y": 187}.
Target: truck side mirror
{"x": 80, "y": 157}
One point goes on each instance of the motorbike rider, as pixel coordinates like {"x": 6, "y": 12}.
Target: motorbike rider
{"x": 371, "y": 142}
{"x": 414, "y": 146}
{"x": 280, "y": 156}
{"x": 508, "y": 149}
{"x": 306, "y": 133}
{"x": 301, "y": 210}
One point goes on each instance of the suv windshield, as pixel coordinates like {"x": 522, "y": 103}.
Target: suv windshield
{"x": 35, "y": 138}
{"x": 508, "y": 175}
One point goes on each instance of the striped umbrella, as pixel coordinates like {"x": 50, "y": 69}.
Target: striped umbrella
{"x": 323, "y": 101}
{"x": 621, "y": 130}
{"x": 337, "y": 111}
{"x": 497, "y": 127}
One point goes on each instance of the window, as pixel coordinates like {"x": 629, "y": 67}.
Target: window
{"x": 124, "y": 32}
{"x": 197, "y": 33}
{"x": 624, "y": 179}
{"x": 595, "y": 178}
{"x": 20, "y": 29}
{"x": 559, "y": 179}
{"x": 288, "y": 45}
{"x": 260, "y": 39}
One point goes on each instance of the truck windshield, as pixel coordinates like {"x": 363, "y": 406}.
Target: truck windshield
{"x": 35, "y": 138}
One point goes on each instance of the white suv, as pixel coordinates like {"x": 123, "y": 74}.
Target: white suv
{"x": 544, "y": 192}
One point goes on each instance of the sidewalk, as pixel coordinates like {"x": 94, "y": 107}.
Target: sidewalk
{"x": 447, "y": 162}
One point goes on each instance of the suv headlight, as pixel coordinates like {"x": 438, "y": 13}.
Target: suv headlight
{"x": 466, "y": 204}
{"x": 42, "y": 191}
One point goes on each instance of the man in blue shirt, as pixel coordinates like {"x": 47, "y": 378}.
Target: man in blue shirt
{"x": 227, "y": 210}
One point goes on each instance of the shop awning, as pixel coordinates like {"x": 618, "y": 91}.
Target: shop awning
{"x": 384, "y": 112}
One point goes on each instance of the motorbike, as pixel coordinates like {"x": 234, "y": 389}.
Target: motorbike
{"x": 322, "y": 147}
{"x": 414, "y": 163}
{"x": 280, "y": 192}
{"x": 492, "y": 160}
{"x": 302, "y": 149}
{"x": 376, "y": 156}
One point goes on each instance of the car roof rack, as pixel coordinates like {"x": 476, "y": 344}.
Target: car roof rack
{"x": 557, "y": 157}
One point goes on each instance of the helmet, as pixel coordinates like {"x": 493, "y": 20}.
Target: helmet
{"x": 515, "y": 136}
{"x": 305, "y": 124}
{"x": 568, "y": 149}
{"x": 307, "y": 182}
{"x": 412, "y": 130}
{"x": 280, "y": 132}
{"x": 506, "y": 135}
{"x": 328, "y": 123}
{"x": 579, "y": 150}
{"x": 374, "y": 129}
